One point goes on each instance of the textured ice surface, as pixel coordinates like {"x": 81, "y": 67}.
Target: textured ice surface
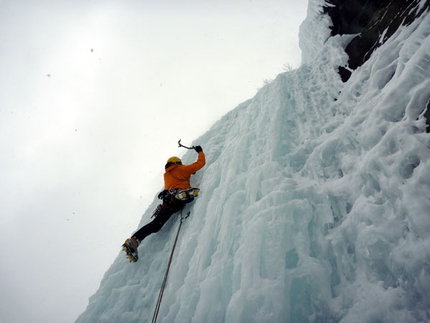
{"x": 314, "y": 204}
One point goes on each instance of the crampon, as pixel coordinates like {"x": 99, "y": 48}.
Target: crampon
{"x": 131, "y": 253}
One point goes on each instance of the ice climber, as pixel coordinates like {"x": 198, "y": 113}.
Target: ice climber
{"x": 176, "y": 194}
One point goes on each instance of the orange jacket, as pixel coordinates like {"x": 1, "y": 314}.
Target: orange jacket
{"x": 178, "y": 176}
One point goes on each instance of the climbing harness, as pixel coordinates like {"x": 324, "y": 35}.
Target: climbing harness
{"x": 175, "y": 196}
{"x": 163, "y": 286}
{"x": 187, "y": 195}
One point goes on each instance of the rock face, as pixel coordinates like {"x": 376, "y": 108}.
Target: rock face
{"x": 374, "y": 21}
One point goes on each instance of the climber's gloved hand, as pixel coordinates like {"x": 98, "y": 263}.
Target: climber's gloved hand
{"x": 198, "y": 148}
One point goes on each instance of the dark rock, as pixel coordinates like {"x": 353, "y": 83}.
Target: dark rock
{"x": 370, "y": 20}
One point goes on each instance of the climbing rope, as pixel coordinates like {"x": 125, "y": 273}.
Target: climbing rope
{"x": 163, "y": 286}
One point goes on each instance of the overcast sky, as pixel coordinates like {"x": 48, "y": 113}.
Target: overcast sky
{"x": 94, "y": 97}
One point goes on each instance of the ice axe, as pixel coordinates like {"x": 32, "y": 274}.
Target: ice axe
{"x": 181, "y": 145}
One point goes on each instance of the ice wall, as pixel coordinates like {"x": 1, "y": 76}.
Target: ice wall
{"x": 314, "y": 31}
{"x": 314, "y": 203}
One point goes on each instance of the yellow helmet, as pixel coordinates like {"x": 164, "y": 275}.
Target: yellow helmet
{"x": 174, "y": 160}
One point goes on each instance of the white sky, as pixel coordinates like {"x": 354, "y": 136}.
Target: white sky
{"x": 95, "y": 95}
